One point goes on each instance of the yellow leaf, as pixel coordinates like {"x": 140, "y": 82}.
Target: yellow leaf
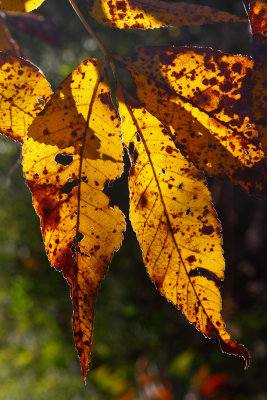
{"x": 176, "y": 224}
{"x": 7, "y": 43}
{"x": 258, "y": 21}
{"x": 20, "y": 5}
{"x": 204, "y": 97}
{"x": 23, "y": 94}
{"x": 73, "y": 147}
{"x": 149, "y": 14}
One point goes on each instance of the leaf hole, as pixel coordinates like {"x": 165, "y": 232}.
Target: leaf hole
{"x": 82, "y": 253}
{"x": 40, "y": 101}
{"x": 64, "y": 159}
{"x": 187, "y": 211}
{"x": 67, "y": 188}
{"x": 248, "y": 126}
{"x": 135, "y": 156}
{"x": 80, "y": 237}
{"x": 131, "y": 148}
{"x": 180, "y": 185}
{"x": 36, "y": 175}
{"x": 247, "y": 152}
{"x": 138, "y": 137}
{"x": 206, "y": 274}
{"x": 163, "y": 171}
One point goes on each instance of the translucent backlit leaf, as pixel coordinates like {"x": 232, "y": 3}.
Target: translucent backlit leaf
{"x": 20, "y": 5}
{"x": 147, "y": 14}
{"x": 23, "y": 93}
{"x": 204, "y": 96}
{"x": 258, "y": 20}
{"x": 7, "y": 43}
{"x": 73, "y": 148}
{"x": 175, "y": 223}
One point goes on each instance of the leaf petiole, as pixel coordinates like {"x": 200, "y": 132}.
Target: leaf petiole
{"x": 99, "y": 43}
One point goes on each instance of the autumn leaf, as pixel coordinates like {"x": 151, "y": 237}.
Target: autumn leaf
{"x": 7, "y": 43}
{"x": 73, "y": 148}
{"x": 24, "y": 92}
{"x": 149, "y": 14}
{"x": 35, "y": 25}
{"x": 258, "y": 21}
{"x": 20, "y": 5}
{"x": 175, "y": 223}
{"x": 204, "y": 97}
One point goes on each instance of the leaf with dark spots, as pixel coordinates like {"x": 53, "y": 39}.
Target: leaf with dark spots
{"x": 68, "y": 194}
{"x": 206, "y": 104}
{"x": 173, "y": 245}
{"x": 21, "y": 85}
{"x": 149, "y": 14}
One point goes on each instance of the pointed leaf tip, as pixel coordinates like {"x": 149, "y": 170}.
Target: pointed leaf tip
{"x": 68, "y": 155}
{"x": 229, "y": 346}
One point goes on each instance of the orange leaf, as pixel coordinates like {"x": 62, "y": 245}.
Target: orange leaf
{"x": 24, "y": 92}
{"x": 149, "y": 14}
{"x": 73, "y": 147}
{"x": 204, "y": 97}
{"x": 258, "y": 20}
{"x": 176, "y": 224}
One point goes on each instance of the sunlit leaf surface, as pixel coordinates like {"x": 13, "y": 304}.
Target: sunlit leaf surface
{"x": 204, "y": 96}
{"x": 20, "y": 5}
{"x": 73, "y": 148}
{"x": 23, "y": 94}
{"x": 147, "y": 14}
{"x": 176, "y": 224}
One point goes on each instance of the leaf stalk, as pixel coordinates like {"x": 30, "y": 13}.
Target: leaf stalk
{"x": 99, "y": 43}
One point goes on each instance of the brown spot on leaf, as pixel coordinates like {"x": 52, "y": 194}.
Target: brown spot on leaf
{"x": 207, "y": 229}
{"x": 191, "y": 259}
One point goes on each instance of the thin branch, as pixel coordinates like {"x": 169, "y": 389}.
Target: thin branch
{"x": 13, "y": 169}
{"x": 101, "y": 45}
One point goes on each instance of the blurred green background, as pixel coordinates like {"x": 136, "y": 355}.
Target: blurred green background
{"x": 142, "y": 346}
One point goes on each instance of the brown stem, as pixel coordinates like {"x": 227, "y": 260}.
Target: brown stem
{"x": 101, "y": 45}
